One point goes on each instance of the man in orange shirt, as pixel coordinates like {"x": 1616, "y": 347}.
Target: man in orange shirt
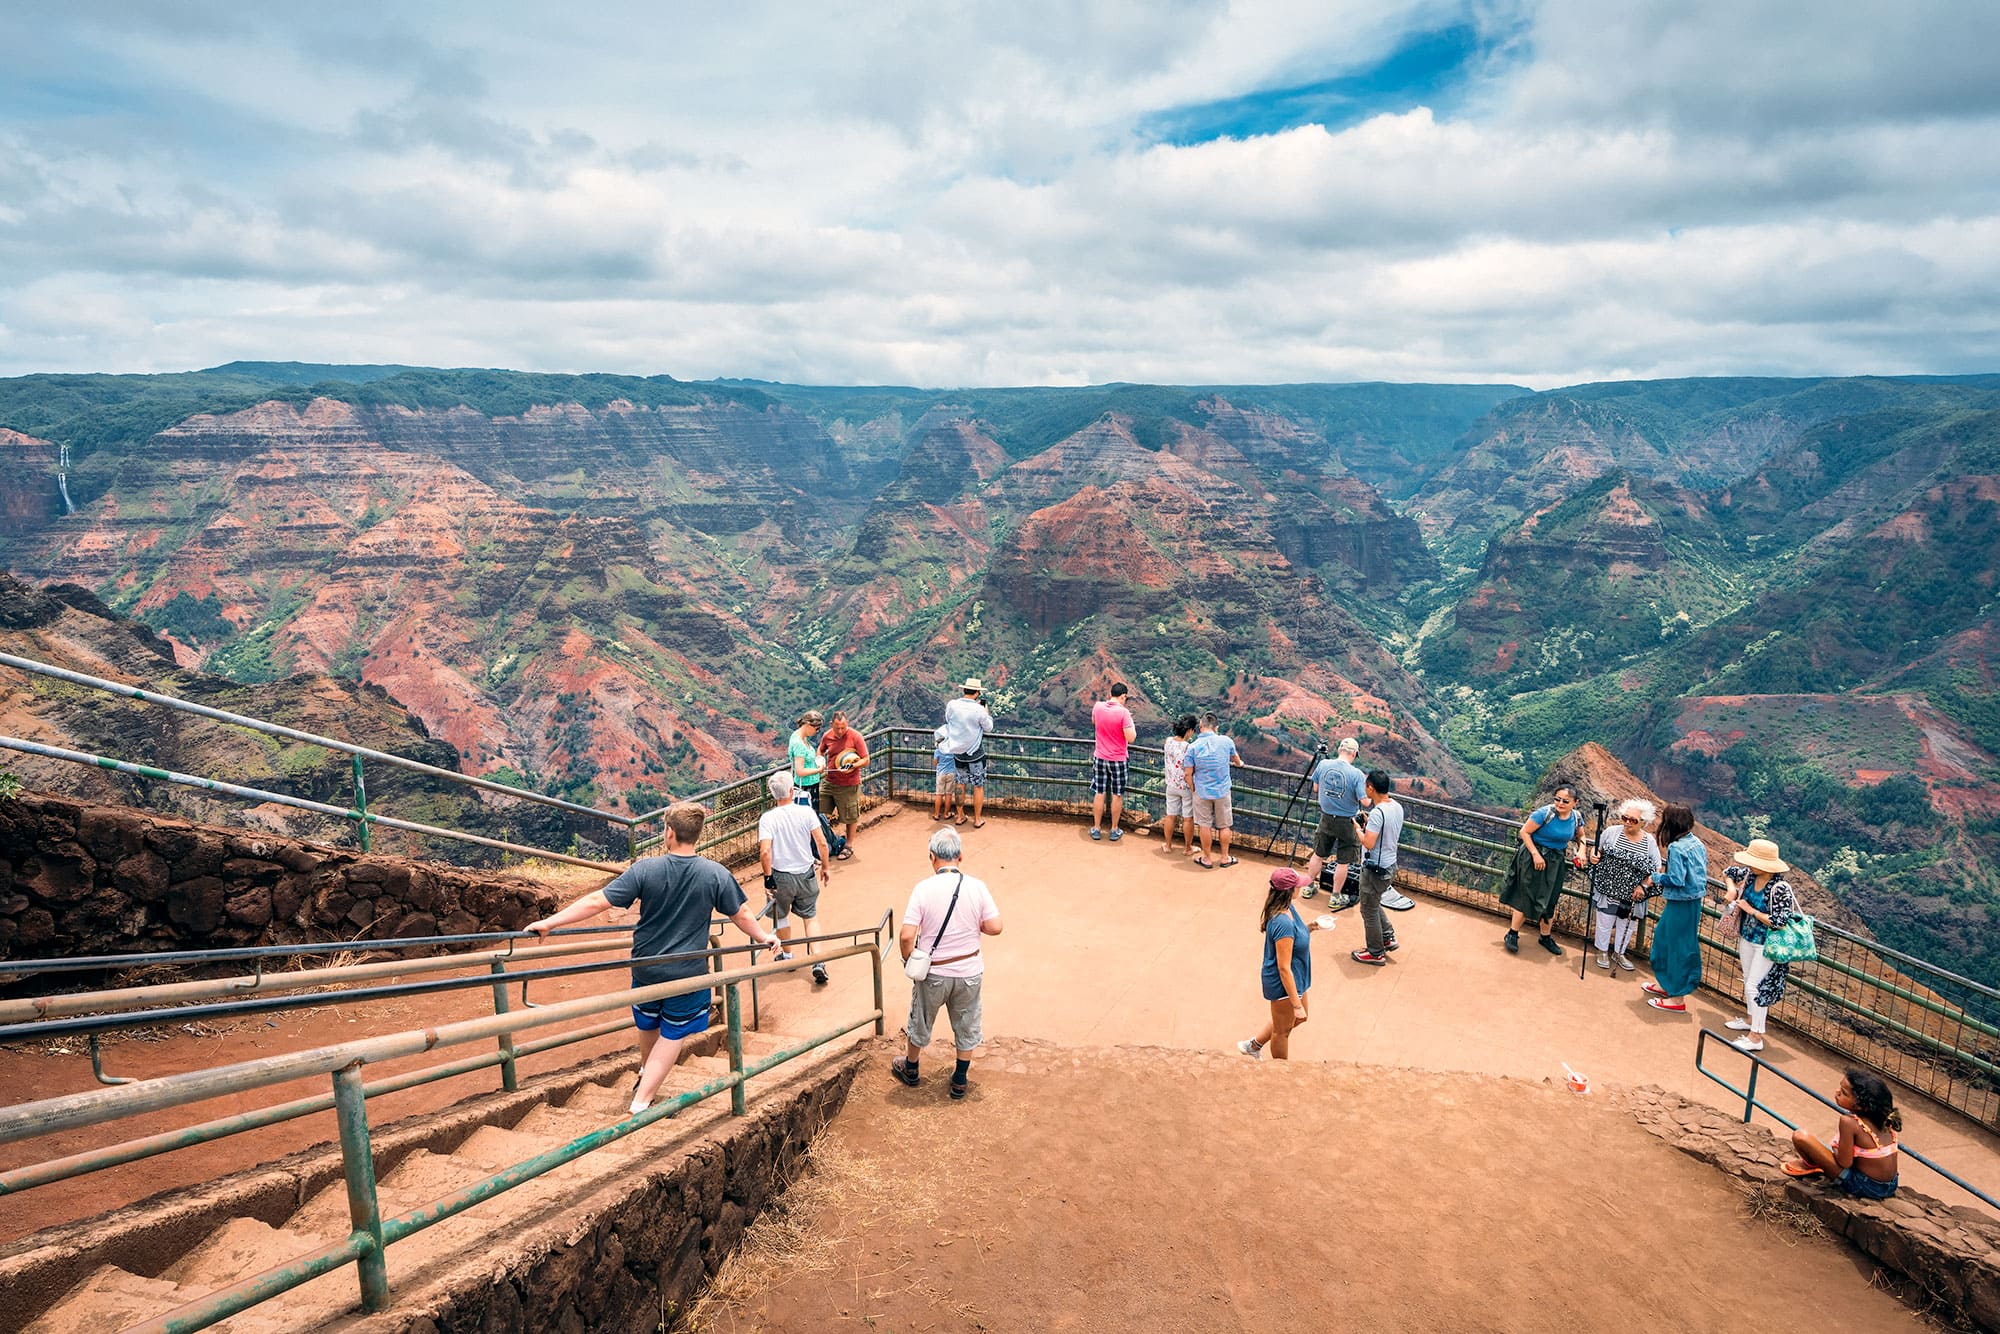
{"x": 843, "y": 784}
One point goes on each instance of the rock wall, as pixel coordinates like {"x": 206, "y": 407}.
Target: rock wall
{"x": 1951, "y": 1252}
{"x": 77, "y": 878}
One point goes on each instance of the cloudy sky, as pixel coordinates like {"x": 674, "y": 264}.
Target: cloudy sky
{"x": 1028, "y": 192}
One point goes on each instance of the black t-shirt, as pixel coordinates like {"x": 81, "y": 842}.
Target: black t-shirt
{"x": 677, "y": 895}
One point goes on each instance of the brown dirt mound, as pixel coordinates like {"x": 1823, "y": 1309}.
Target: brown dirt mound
{"x": 1137, "y": 1189}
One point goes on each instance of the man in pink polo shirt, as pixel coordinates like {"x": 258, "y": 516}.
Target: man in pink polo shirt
{"x": 1115, "y": 731}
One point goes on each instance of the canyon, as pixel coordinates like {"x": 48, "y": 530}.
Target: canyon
{"x": 613, "y": 588}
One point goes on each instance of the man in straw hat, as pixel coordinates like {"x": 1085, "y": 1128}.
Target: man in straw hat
{"x": 963, "y": 735}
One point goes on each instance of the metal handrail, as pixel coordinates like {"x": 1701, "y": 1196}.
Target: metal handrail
{"x": 358, "y": 814}
{"x": 231, "y": 953}
{"x": 80, "y": 1025}
{"x": 1750, "y": 1102}
{"x": 294, "y": 734}
{"x": 372, "y": 1235}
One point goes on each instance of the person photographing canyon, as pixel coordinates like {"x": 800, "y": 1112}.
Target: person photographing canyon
{"x": 1109, "y": 761}
{"x": 963, "y": 734}
{"x": 677, "y": 895}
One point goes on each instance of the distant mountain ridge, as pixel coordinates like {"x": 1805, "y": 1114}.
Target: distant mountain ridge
{"x": 615, "y": 586}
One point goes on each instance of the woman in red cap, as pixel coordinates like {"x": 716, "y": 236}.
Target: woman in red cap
{"x": 1288, "y": 968}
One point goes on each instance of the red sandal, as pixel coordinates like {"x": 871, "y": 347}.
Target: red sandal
{"x": 1671, "y": 1007}
{"x": 1654, "y": 989}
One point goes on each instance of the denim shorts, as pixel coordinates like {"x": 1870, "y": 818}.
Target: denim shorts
{"x": 1868, "y": 1188}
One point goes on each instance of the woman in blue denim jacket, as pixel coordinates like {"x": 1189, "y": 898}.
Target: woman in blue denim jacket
{"x": 1677, "y": 939}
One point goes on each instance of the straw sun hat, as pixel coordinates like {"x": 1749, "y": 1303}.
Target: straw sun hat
{"x": 1762, "y": 855}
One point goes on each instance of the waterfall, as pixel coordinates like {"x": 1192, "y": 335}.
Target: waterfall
{"x": 62, "y": 480}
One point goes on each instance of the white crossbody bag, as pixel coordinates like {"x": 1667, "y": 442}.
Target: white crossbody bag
{"x": 918, "y": 966}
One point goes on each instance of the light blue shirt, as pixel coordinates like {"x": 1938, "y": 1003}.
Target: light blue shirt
{"x": 1686, "y": 876}
{"x": 1340, "y": 787}
{"x": 1209, "y": 756}
{"x": 1386, "y": 823}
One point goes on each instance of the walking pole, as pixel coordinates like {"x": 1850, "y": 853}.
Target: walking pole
{"x": 1590, "y": 881}
{"x": 1319, "y": 749}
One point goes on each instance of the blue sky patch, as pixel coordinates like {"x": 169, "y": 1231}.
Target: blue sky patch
{"x": 1429, "y": 69}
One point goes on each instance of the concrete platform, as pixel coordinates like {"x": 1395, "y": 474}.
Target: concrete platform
{"x": 1123, "y": 944}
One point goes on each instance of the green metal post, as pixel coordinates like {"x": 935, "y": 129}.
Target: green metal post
{"x": 507, "y": 1078}
{"x": 733, "y": 1008}
{"x": 361, "y": 802}
{"x": 875, "y": 959}
{"x": 357, "y": 1157}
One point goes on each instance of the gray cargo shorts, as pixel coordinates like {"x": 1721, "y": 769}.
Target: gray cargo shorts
{"x": 960, "y": 998}
{"x": 794, "y": 892}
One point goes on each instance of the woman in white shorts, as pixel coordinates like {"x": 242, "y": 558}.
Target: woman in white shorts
{"x": 1180, "y": 797}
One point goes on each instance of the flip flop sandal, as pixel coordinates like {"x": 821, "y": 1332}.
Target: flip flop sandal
{"x": 1668, "y": 1006}
{"x": 1800, "y": 1170}
{"x": 1229, "y": 861}
{"x": 1204, "y": 863}
{"x": 979, "y": 824}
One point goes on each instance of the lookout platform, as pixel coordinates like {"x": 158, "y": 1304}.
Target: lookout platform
{"x": 1424, "y": 1109}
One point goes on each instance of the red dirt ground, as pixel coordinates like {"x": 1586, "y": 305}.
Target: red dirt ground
{"x": 1140, "y": 1189}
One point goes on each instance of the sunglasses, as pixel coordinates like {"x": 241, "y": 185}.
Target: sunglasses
{"x": 1630, "y": 819}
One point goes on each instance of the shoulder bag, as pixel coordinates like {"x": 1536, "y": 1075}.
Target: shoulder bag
{"x": 1793, "y": 942}
{"x": 918, "y": 966}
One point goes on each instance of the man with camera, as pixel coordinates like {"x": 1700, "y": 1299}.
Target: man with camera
{"x": 790, "y": 840}
{"x": 1342, "y": 788}
{"x": 963, "y": 734}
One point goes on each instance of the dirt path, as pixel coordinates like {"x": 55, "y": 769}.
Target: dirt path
{"x": 1134, "y": 1189}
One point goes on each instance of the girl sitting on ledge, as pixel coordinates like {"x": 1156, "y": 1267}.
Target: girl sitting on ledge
{"x": 1862, "y": 1160}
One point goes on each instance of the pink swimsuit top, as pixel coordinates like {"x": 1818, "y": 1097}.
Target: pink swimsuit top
{"x": 1879, "y": 1151}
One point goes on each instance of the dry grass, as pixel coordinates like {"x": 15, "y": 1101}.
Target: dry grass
{"x": 837, "y": 1193}
{"x": 1769, "y": 1204}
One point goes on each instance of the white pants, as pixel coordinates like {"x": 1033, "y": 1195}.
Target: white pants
{"x": 1755, "y": 969}
{"x": 1611, "y": 926}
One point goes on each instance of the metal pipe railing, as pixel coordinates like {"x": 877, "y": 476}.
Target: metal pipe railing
{"x": 362, "y": 817}
{"x": 1750, "y": 1102}
{"x": 232, "y": 953}
{"x": 293, "y": 734}
{"x": 372, "y": 1235}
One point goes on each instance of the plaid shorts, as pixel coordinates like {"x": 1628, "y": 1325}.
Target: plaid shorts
{"x": 1108, "y": 776}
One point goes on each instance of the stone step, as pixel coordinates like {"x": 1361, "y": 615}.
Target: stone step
{"x": 111, "y": 1298}
{"x": 239, "y": 1248}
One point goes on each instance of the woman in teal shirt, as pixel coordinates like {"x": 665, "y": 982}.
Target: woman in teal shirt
{"x": 1535, "y": 879}
{"x": 1677, "y": 939}
{"x": 807, "y": 763}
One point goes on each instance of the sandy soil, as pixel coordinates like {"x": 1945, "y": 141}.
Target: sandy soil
{"x": 1135, "y": 1189}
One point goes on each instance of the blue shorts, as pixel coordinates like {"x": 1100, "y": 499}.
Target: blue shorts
{"x": 1868, "y": 1188}
{"x": 674, "y": 1017}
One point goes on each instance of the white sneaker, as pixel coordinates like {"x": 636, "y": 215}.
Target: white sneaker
{"x": 1748, "y": 1042}
{"x": 1250, "y": 1048}
{"x": 1627, "y": 964}
{"x": 782, "y": 956}
{"x": 1738, "y": 1025}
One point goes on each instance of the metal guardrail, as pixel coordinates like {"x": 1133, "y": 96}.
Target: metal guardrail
{"x": 372, "y": 1235}
{"x": 1751, "y": 1103}
{"x": 92, "y": 1014}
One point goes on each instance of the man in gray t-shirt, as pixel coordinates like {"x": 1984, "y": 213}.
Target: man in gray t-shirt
{"x": 1379, "y": 839}
{"x": 677, "y": 895}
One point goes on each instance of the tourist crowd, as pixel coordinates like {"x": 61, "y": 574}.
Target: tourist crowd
{"x": 1644, "y": 857}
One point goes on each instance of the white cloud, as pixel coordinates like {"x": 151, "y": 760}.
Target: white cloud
{"x": 964, "y": 195}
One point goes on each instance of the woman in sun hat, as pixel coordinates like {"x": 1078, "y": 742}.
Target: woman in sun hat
{"x": 1288, "y": 966}
{"x": 1681, "y": 886}
{"x": 1764, "y": 898}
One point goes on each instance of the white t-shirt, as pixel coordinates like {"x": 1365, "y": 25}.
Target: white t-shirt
{"x": 928, "y": 902}
{"x": 790, "y": 828}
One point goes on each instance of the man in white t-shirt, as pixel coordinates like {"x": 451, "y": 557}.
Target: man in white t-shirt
{"x": 790, "y": 841}
{"x": 948, "y": 913}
